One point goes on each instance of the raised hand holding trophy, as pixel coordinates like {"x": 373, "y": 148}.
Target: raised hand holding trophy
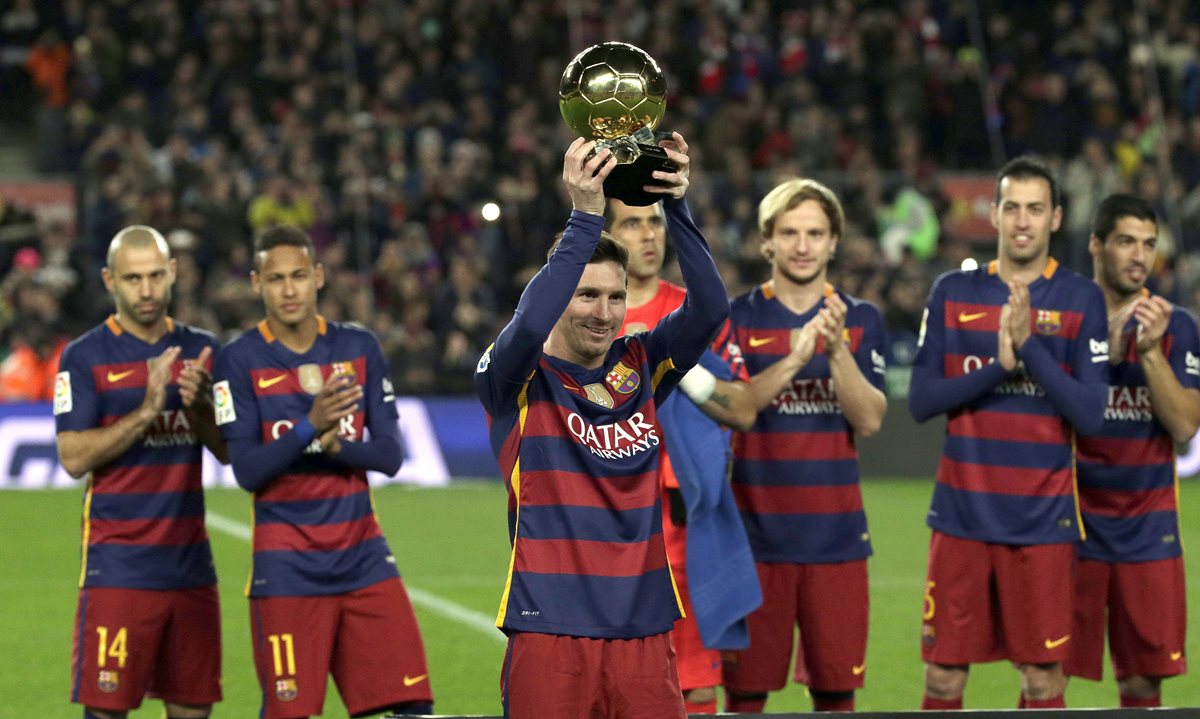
{"x": 616, "y": 94}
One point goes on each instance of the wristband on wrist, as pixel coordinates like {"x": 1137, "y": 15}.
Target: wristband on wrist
{"x": 698, "y": 384}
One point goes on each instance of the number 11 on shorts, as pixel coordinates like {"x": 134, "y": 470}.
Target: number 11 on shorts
{"x": 288, "y": 652}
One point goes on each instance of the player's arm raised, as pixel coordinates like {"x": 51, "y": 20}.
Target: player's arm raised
{"x": 82, "y": 451}
{"x": 515, "y": 353}
{"x": 863, "y": 404}
{"x": 1176, "y": 407}
{"x": 689, "y": 329}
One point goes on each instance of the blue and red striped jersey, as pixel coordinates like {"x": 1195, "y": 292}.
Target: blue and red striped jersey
{"x": 143, "y": 513}
{"x": 1128, "y": 488}
{"x": 1006, "y": 473}
{"x": 315, "y": 529}
{"x": 579, "y": 451}
{"x": 579, "y": 448}
{"x": 795, "y": 472}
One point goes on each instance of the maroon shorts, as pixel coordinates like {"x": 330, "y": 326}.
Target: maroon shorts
{"x": 133, "y": 643}
{"x": 985, "y": 602}
{"x": 367, "y": 639}
{"x": 1143, "y": 605}
{"x": 698, "y": 666}
{"x": 829, "y": 603}
{"x": 547, "y": 676}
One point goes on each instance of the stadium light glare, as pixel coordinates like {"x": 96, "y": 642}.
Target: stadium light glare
{"x": 490, "y": 211}
{"x": 969, "y": 264}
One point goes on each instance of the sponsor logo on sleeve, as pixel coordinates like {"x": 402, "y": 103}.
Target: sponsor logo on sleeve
{"x": 62, "y": 393}
{"x": 877, "y": 361}
{"x": 1191, "y": 364}
{"x": 484, "y": 361}
{"x": 1099, "y": 349}
{"x": 921, "y": 333}
{"x": 389, "y": 392}
{"x": 223, "y": 403}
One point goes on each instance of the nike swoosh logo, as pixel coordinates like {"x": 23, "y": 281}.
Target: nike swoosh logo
{"x": 964, "y": 317}
{"x": 409, "y": 681}
{"x": 118, "y": 376}
{"x": 858, "y": 669}
{"x": 1175, "y": 656}
{"x": 1052, "y": 643}
{"x": 760, "y": 341}
{"x": 264, "y": 383}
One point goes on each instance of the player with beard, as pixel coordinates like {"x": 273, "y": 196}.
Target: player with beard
{"x": 718, "y": 387}
{"x": 307, "y": 408}
{"x": 572, "y": 411}
{"x": 132, "y": 410}
{"x": 815, "y": 356}
{"x": 1130, "y": 579}
{"x": 1015, "y": 354}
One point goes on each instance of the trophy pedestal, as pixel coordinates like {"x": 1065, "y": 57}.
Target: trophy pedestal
{"x": 625, "y": 182}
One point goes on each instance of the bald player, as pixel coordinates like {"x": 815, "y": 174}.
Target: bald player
{"x": 132, "y": 409}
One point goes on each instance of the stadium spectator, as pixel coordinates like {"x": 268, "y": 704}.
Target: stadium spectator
{"x": 573, "y": 420}
{"x": 430, "y": 129}
{"x": 132, "y": 410}
{"x": 307, "y": 407}
{"x": 815, "y": 358}
{"x": 1015, "y": 352}
{"x": 693, "y": 473}
{"x": 1130, "y": 580}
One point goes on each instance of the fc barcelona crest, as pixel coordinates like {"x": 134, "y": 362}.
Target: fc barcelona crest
{"x": 598, "y": 393}
{"x": 109, "y": 681}
{"x": 310, "y": 377}
{"x": 623, "y": 380}
{"x": 285, "y": 689}
{"x": 340, "y": 368}
{"x": 1048, "y": 322}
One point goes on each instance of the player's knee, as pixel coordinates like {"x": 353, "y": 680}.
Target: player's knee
{"x": 944, "y": 681}
{"x": 188, "y": 711}
{"x": 1043, "y": 681}
{"x": 701, "y": 695}
{"x": 1140, "y": 687}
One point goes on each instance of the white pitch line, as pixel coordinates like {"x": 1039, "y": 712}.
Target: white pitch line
{"x": 433, "y": 602}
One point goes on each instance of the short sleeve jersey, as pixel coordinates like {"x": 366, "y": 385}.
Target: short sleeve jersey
{"x": 315, "y": 529}
{"x": 795, "y": 472}
{"x": 143, "y": 513}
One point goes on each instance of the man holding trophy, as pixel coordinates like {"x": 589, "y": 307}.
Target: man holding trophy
{"x": 572, "y": 411}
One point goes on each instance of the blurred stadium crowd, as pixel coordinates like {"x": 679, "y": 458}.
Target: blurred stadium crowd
{"x": 383, "y": 127}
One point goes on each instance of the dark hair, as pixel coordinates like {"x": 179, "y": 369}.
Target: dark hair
{"x": 283, "y": 236}
{"x": 1116, "y": 206}
{"x": 608, "y": 249}
{"x": 1028, "y": 167}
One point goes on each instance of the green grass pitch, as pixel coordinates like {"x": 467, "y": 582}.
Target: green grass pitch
{"x": 451, "y": 545}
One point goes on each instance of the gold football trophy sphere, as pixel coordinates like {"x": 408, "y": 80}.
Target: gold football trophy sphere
{"x": 616, "y": 94}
